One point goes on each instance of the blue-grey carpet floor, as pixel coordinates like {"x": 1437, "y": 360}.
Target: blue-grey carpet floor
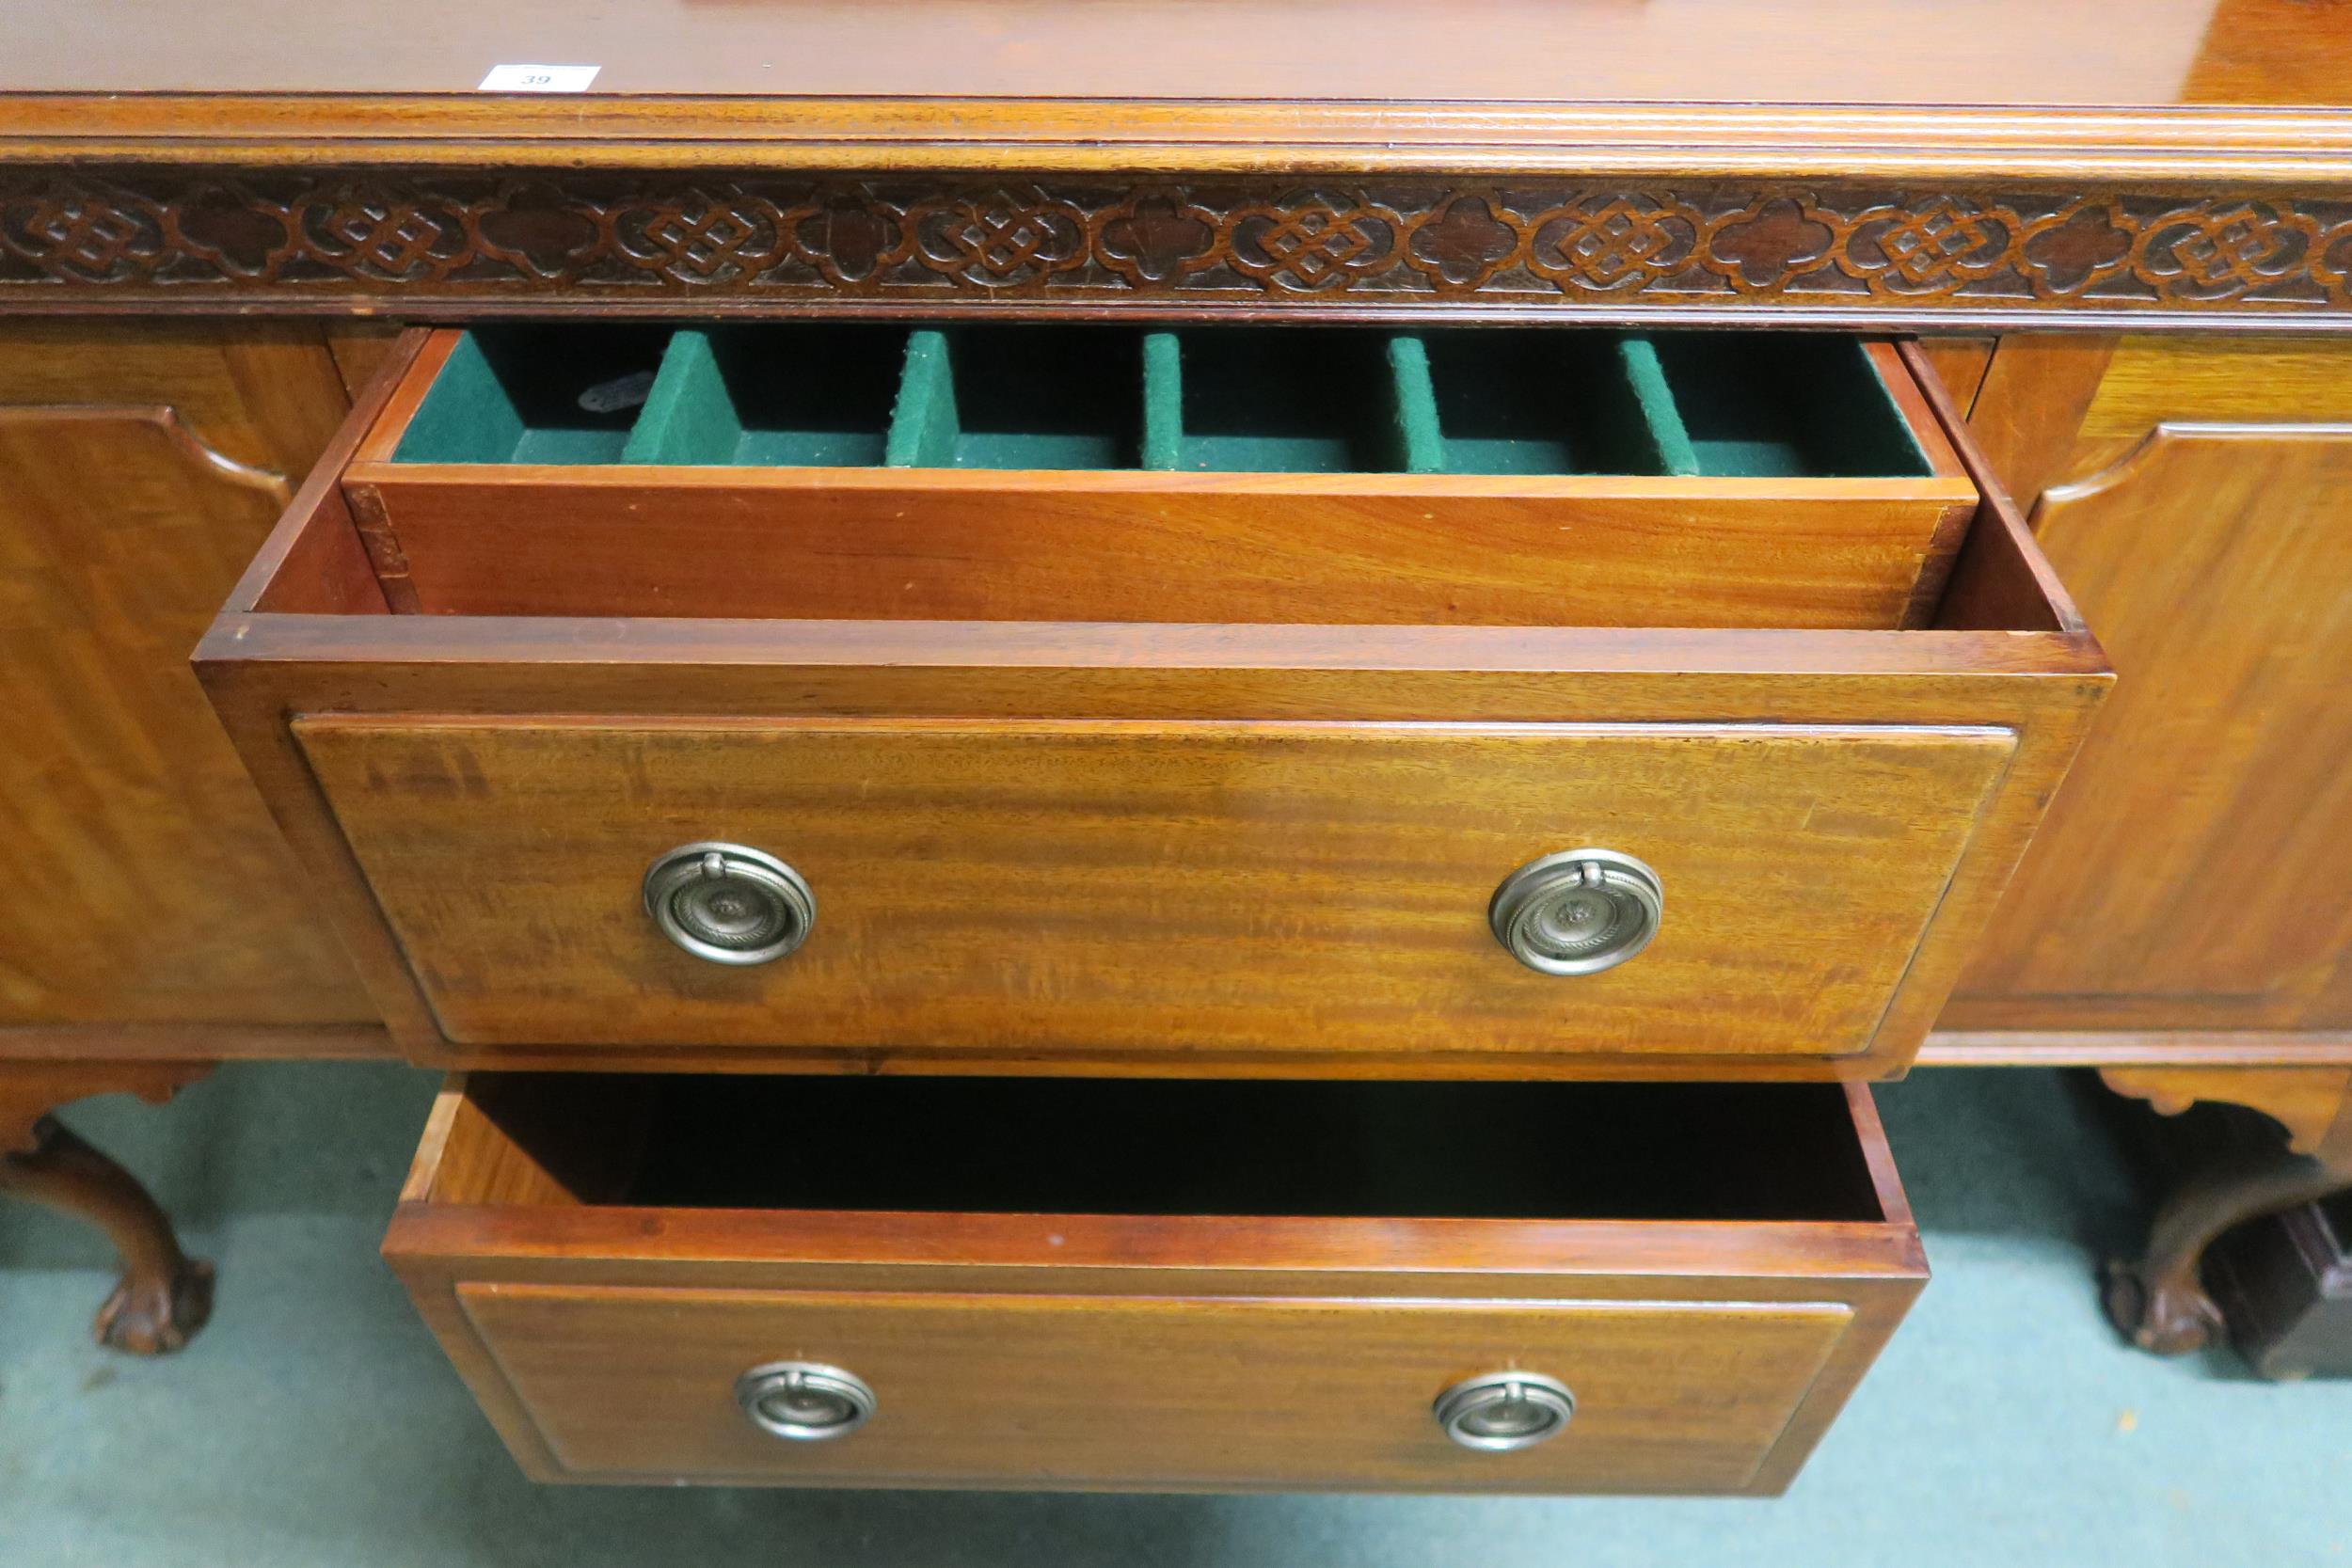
{"x": 315, "y": 1424}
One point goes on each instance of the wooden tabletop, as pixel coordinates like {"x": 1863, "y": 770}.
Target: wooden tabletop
{"x": 1999, "y": 87}
{"x": 1960, "y": 52}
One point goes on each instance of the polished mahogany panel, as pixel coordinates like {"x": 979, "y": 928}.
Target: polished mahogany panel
{"x": 1559, "y": 50}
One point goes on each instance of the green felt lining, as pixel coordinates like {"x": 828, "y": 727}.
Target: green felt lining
{"x": 813, "y": 396}
{"x": 565, "y": 446}
{"x": 1272, "y": 400}
{"x": 1020, "y": 398}
{"x": 689, "y": 416}
{"x": 1661, "y": 411}
{"x": 513, "y": 394}
{"x": 816, "y": 396}
{"x": 1770, "y": 405}
{"x": 1413, "y": 406}
{"x": 923, "y": 419}
{"x": 465, "y": 417}
{"x": 1162, "y": 400}
{"x": 1554, "y": 402}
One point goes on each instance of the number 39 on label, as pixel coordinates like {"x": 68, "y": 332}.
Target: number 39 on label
{"x": 539, "y": 78}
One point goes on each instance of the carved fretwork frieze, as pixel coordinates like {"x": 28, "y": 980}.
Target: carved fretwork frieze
{"x": 686, "y": 241}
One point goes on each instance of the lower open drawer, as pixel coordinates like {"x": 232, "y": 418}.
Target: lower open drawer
{"x": 1158, "y": 1284}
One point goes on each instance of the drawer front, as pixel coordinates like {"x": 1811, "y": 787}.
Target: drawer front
{"x": 623, "y": 1383}
{"x": 1285, "y": 889}
{"x": 1041, "y": 1283}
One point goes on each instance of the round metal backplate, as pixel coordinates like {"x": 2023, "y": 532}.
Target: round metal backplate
{"x": 1504, "y": 1410}
{"x": 1579, "y": 911}
{"x": 804, "y": 1401}
{"x": 728, "y": 903}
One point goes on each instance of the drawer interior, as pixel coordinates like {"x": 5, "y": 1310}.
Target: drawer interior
{"x": 1750, "y": 1152}
{"x": 1228, "y": 475}
{"x": 1043, "y": 1282}
{"x": 1245, "y": 400}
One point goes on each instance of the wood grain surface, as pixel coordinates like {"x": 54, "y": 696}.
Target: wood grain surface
{"x": 1960, "y": 364}
{"x": 2149, "y": 381}
{"x": 139, "y": 468}
{"x": 1120, "y": 1350}
{"x": 1940, "y": 85}
{"x": 1374, "y": 549}
{"x": 1976, "y": 165}
{"x": 2194, "y": 875}
{"x": 1156, "y": 1393}
{"x": 2313, "y": 1104}
{"x": 1938, "y": 52}
{"x": 1157, "y": 888}
{"x": 2031, "y": 403}
{"x": 2006, "y": 653}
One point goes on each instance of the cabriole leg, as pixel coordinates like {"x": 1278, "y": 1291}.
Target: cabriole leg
{"x": 2159, "y": 1299}
{"x": 164, "y": 1295}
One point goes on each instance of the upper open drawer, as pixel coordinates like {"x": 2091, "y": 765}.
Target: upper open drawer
{"x": 1084, "y": 787}
{"x": 1329, "y": 476}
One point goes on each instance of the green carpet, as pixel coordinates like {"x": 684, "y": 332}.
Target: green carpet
{"x": 315, "y": 1423}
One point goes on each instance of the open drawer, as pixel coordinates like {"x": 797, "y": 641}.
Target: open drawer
{"x": 1231, "y": 475}
{"x": 1103, "y": 1283}
{"x": 1054, "y": 770}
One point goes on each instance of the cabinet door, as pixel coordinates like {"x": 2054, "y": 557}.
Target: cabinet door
{"x": 2196, "y": 872}
{"x": 140, "y": 467}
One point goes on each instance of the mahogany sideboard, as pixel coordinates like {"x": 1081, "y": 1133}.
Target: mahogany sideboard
{"x": 1350, "y": 669}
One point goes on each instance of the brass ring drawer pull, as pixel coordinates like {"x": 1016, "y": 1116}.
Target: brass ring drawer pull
{"x": 805, "y": 1401}
{"x": 1579, "y": 911}
{"x": 1504, "y": 1410}
{"x": 729, "y": 904}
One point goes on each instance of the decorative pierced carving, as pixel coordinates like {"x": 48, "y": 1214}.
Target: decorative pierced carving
{"x": 1616, "y": 244}
{"x": 1004, "y": 239}
{"x": 456, "y": 241}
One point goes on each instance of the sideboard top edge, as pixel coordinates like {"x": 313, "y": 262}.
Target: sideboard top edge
{"x": 2186, "y": 149}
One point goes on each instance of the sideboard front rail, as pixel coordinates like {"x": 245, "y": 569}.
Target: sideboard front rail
{"x": 437, "y": 243}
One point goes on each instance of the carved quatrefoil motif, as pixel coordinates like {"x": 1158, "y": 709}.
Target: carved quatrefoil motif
{"x": 382, "y": 236}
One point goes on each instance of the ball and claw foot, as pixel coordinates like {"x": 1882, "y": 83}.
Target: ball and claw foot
{"x": 164, "y": 1295}
{"x": 2158, "y": 1301}
{"x": 154, "y": 1315}
{"x": 2173, "y": 1319}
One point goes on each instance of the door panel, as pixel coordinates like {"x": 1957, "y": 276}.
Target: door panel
{"x": 2196, "y": 872}
{"x": 140, "y": 467}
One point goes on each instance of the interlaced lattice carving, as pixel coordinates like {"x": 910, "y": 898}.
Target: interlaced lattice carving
{"x": 581, "y": 239}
